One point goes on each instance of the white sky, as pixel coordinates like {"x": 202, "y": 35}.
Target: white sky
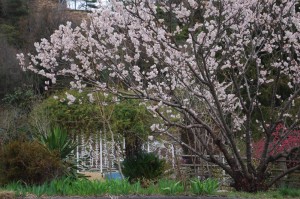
{"x": 81, "y": 4}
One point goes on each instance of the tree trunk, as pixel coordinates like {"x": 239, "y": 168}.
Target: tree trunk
{"x": 253, "y": 184}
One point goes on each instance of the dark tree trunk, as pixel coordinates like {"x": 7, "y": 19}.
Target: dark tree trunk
{"x": 246, "y": 184}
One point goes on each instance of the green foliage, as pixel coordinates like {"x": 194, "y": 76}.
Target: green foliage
{"x": 81, "y": 116}
{"x": 10, "y": 33}
{"x": 127, "y": 118}
{"x": 169, "y": 187}
{"x": 21, "y": 98}
{"x": 132, "y": 118}
{"x": 13, "y": 9}
{"x": 18, "y": 188}
{"x": 70, "y": 187}
{"x": 279, "y": 193}
{"x": 289, "y": 192}
{"x": 28, "y": 162}
{"x": 143, "y": 166}
{"x": 58, "y": 141}
{"x": 208, "y": 186}
{"x": 133, "y": 121}
{"x": 14, "y": 115}
{"x": 84, "y": 187}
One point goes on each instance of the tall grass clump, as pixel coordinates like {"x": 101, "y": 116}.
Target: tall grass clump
{"x": 208, "y": 186}
{"x": 170, "y": 187}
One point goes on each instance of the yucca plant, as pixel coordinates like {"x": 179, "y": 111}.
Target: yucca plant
{"x": 58, "y": 141}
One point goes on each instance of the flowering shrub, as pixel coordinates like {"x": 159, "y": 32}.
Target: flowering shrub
{"x": 284, "y": 140}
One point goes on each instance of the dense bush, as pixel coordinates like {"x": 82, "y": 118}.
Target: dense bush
{"x": 132, "y": 121}
{"x": 57, "y": 112}
{"x": 28, "y": 162}
{"x": 143, "y": 166}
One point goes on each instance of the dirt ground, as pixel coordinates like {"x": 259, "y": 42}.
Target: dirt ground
{"x": 93, "y": 175}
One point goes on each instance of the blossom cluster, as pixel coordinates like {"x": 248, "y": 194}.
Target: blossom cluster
{"x": 211, "y": 61}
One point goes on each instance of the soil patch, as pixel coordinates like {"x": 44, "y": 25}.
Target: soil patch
{"x": 93, "y": 175}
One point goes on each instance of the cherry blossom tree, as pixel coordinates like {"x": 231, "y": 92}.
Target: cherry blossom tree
{"x": 227, "y": 68}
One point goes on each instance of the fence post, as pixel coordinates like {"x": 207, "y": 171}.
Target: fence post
{"x": 101, "y": 152}
{"x": 77, "y": 153}
{"x": 173, "y": 155}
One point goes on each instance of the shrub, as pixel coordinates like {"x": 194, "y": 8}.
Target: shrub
{"x": 283, "y": 140}
{"x": 143, "y": 166}
{"x": 59, "y": 113}
{"x": 28, "y": 162}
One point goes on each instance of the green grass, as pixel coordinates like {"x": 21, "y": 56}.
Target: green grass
{"x": 209, "y": 186}
{"x": 84, "y": 187}
{"x": 170, "y": 187}
{"x": 280, "y": 193}
{"x": 289, "y": 192}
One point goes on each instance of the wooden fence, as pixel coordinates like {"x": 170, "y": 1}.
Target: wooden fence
{"x": 291, "y": 180}
{"x": 202, "y": 170}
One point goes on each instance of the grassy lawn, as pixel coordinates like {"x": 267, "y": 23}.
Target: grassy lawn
{"x": 280, "y": 193}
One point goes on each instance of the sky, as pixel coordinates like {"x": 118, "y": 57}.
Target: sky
{"x": 81, "y": 4}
